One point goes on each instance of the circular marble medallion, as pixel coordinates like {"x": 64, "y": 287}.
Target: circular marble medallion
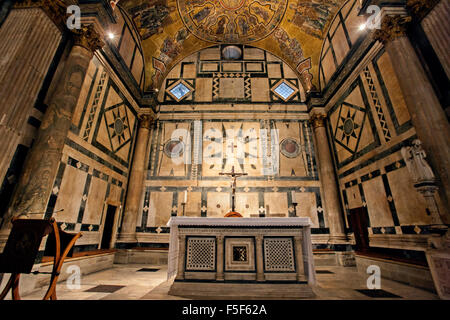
{"x": 118, "y": 126}
{"x": 349, "y": 126}
{"x": 174, "y": 148}
{"x": 290, "y": 148}
{"x": 232, "y": 21}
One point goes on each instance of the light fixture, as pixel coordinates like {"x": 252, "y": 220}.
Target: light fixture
{"x": 111, "y": 35}
{"x": 362, "y": 27}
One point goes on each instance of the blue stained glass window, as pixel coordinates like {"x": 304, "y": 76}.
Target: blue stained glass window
{"x": 180, "y": 90}
{"x": 284, "y": 90}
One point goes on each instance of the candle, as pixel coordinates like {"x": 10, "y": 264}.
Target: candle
{"x": 293, "y": 196}
{"x": 185, "y": 196}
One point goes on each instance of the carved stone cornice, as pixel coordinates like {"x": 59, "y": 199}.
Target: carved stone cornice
{"x": 392, "y": 27}
{"x": 318, "y": 120}
{"x": 88, "y": 38}
{"x": 420, "y": 8}
{"x": 54, "y": 9}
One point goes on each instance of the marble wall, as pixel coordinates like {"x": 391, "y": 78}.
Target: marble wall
{"x": 93, "y": 172}
{"x": 369, "y": 123}
{"x": 252, "y": 76}
{"x": 230, "y": 116}
{"x": 343, "y": 36}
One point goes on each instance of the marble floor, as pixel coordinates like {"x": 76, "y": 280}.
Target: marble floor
{"x": 130, "y": 282}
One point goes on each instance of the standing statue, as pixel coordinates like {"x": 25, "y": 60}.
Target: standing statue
{"x": 418, "y": 167}
{"x": 423, "y": 177}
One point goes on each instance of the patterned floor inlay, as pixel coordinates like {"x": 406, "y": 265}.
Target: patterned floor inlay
{"x": 148, "y": 270}
{"x": 377, "y": 293}
{"x": 324, "y": 272}
{"x": 105, "y": 288}
{"x": 342, "y": 283}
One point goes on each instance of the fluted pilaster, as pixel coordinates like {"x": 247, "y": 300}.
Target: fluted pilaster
{"x": 29, "y": 40}
{"x": 437, "y": 28}
{"x": 35, "y": 184}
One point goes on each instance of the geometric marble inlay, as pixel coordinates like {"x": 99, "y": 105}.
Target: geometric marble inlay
{"x": 118, "y": 126}
{"x": 284, "y": 90}
{"x": 349, "y": 126}
{"x": 179, "y": 90}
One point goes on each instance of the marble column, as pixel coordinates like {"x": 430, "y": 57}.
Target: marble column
{"x": 259, "y": 259}
{"x": 29, "y": 40}
{"x": 427, "y": 114}
{"x": 136, "y": 181}
{"x": 36, "y": 182}
{"x": 328, "y": 180}
{"x": 181, "y": 254}
{"x": 220, "y": 262}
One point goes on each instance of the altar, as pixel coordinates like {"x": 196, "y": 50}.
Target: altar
{"x": 241, "y": 257}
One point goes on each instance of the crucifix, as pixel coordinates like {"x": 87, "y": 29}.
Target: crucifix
{"x": 234, "y": 176}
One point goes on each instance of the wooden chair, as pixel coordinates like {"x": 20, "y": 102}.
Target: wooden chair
{"x": 22, "y": 248}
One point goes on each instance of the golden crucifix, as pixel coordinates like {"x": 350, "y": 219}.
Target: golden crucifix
{"x": 234, "y": 176}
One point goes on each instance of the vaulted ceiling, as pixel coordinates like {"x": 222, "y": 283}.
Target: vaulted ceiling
{"x": 290, "y": 29}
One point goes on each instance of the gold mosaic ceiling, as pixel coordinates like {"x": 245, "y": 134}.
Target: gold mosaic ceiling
{"x": 290, "y": 29}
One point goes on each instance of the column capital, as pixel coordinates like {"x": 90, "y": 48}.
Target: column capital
{"x": 392, "y": 27}
{"x": 55, "y": 9}
{"x": 318, "y": 120}
{"x": 420, "y": 8}
{"x": 145, "y": 121}
{"x": 87, "y": 38}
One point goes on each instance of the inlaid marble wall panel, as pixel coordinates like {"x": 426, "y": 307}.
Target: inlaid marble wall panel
{"x": 193, "y": 206}
{"x": 69, "y": 194}
{"x": 307, "y": 206}
{"x": 343, "y": 35}
{"x": 247, "y": 203}
{"x": 242, "y": 74}
{"x": 276, "y": 204}
{"x": 215, "y": 146}
{"x": 219, "y": 204}
{"x": 95, "y": 202}
{"x": 160, "y": 208}
{"x": 369, "y": 124}
{"x": 94, "y": 169}
{"x": 377, "y": 203}
{"x": 411, "y": 210}
{"x": 175, "y": 147}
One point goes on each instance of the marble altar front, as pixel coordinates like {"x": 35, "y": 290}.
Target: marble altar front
{"x": 226, "y": 257}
